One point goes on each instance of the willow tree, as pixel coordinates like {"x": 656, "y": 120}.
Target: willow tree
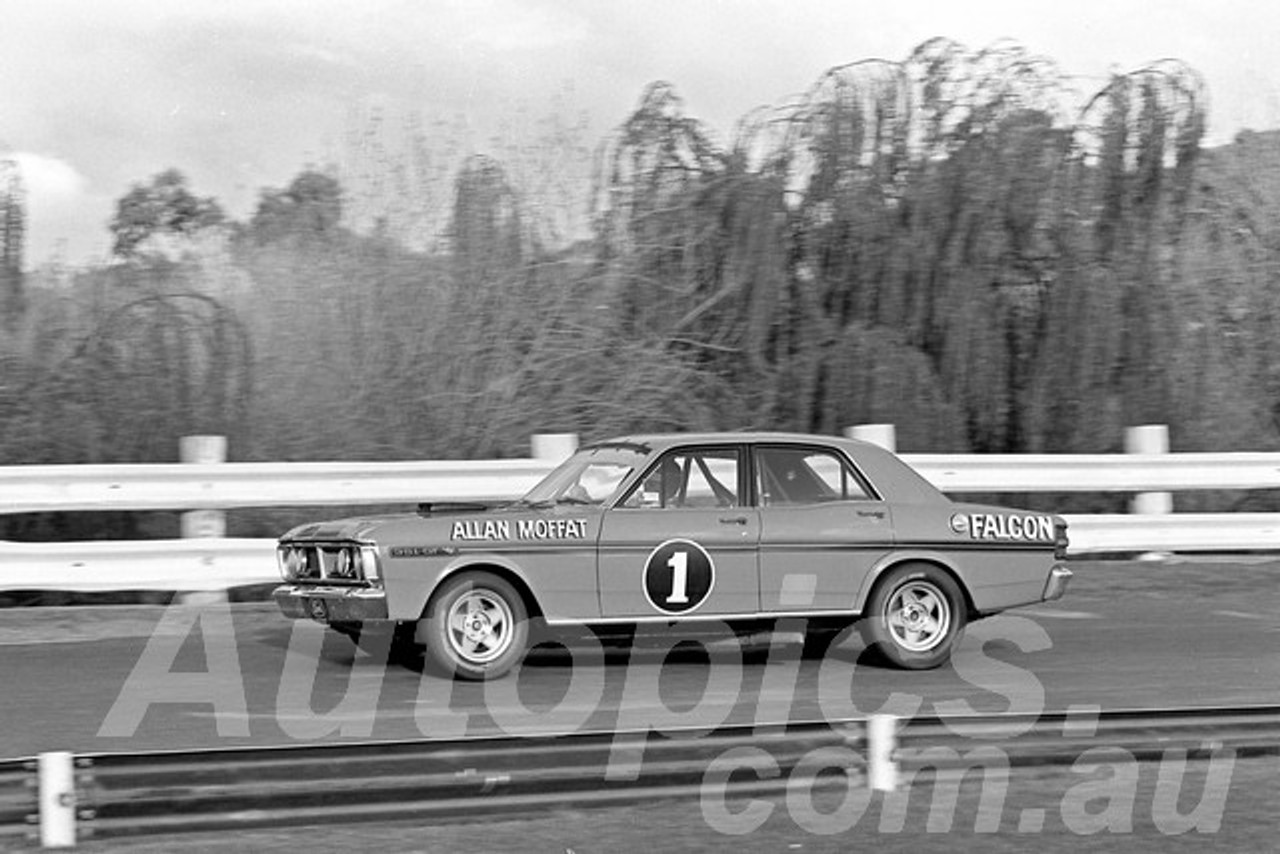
{"x": 926, "y": 242}
{"x": 652, "y": 226}
{"x": 1225, "y": 355}
{"x": 13, "y": 222}
{"x": 1115, "y": 326}
{"x": 157, "y": 368}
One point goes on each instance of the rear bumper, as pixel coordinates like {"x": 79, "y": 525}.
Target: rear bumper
{"x": 1056, "y": 585}
{"x": 331, "y": 604}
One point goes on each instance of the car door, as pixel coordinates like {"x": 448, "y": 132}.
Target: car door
{"x": 822, "y": 528}
{"x": 682, "y": 543}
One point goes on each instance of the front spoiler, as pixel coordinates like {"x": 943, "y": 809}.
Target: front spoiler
{"x": 331, "y": 604}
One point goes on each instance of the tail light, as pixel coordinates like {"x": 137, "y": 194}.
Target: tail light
{"x": 1060, "y": 540}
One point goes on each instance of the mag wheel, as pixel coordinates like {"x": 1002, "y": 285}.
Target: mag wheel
{"x": 915, "y": 616}
{"x": 476, "y": 626}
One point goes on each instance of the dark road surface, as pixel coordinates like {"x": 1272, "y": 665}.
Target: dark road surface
{"x": 113, "y": 678}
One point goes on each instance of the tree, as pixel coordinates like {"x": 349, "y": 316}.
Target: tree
{"x": 309, "y": 210}
{"x": 13, "y": 221}
{"x": 489, "y": 235}
{"x": 949, "y": 223}
{"x": 150, "y": 216}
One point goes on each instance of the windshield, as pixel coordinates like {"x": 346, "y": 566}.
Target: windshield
{"x": 591, "y": 476}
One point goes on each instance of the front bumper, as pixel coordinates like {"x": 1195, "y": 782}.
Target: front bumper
{"x": 1056, "y": 585}
{"x": 331, "y": 604}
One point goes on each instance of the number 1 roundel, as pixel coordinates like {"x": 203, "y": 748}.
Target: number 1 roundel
{"x": 678, "y": 576}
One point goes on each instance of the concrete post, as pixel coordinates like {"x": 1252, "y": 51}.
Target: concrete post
{"x": 883, "y": 435}
{"x": 882, "y": 749}
{"x": 203, "y": 524}
{"x": 1149, "y": 439}
{"x": 554, "y": 447}
{"x": 200, "y": 450}
{"x": 57, "y": 786}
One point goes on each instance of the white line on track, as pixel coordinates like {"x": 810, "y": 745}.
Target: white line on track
{"x": 1059, "y": 614}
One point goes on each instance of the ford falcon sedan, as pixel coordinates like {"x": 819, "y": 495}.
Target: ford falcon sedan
{"x": 681, "y": 529}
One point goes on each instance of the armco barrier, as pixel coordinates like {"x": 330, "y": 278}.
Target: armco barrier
{"x": 105, "y": 565}
{"x": 226, "y": 486}
{"x": 126, "y": 795}
{"x": 216, "y": 564}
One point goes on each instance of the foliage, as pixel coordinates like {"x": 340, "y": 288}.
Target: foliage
{"x": 160, "y": 210}
{"x": 13, "y": 222}
{"x": 309, "y": 209}
{"x": 947, "y": 208}
{"x": 949, "y": 243}
{"x": 119, "y": 379}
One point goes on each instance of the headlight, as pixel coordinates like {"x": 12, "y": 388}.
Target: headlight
{"x": 292, "y": 561}
{"x": 343, "y": 564}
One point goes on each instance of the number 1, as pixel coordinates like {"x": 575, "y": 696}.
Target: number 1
{"x": 679, "y": 564}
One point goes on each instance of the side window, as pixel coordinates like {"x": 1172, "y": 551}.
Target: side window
{"x": 690, "y": 478}
{"x": 797, "y": 476}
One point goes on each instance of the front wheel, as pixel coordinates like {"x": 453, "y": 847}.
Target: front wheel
{"x": 915, "y": 616}
{"x": 476, "y": 626}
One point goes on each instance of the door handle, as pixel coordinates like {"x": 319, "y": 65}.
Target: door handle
{"x": 733, "y": 520}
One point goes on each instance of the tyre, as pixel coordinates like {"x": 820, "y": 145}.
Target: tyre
{"x": 915, "y": 616}
{"x": 476, "y": 626}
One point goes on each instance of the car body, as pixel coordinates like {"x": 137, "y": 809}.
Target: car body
{"x": 739, "y": 528}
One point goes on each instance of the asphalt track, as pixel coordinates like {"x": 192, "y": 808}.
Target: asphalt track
{"x": 1129, "y": 635}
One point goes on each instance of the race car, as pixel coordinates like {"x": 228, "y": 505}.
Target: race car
{"x": 739, "y": 529}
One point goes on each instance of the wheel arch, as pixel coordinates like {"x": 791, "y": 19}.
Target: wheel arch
{"x": 507, "y": 572}
{"x": 897, "y": 559}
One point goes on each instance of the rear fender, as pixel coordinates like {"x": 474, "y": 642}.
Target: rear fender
{"x": 897, "y": 558}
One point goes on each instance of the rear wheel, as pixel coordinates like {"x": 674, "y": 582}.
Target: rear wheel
{"x": 915, "y": 616}
{"x": 476, "y": 626}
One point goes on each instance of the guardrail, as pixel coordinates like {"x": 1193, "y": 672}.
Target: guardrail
{"x": 218, "y": 564}
{"x": 105, "y": 565}
{"x": 227, "y": 486}
{"x": 122, "y": 795}
{"x": 214, "y": 563}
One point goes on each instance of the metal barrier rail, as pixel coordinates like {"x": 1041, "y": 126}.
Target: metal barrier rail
{"x": 207, "y": 790}
{"x": 224, "y": 486}
{"x": 106, "y": 565}
{"x": 219, "y": 564}
{"x": 17, "y": 800}
{"x": 1097, "y": 472}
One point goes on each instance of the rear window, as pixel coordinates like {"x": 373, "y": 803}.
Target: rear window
{"x": 799, "y": 476}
